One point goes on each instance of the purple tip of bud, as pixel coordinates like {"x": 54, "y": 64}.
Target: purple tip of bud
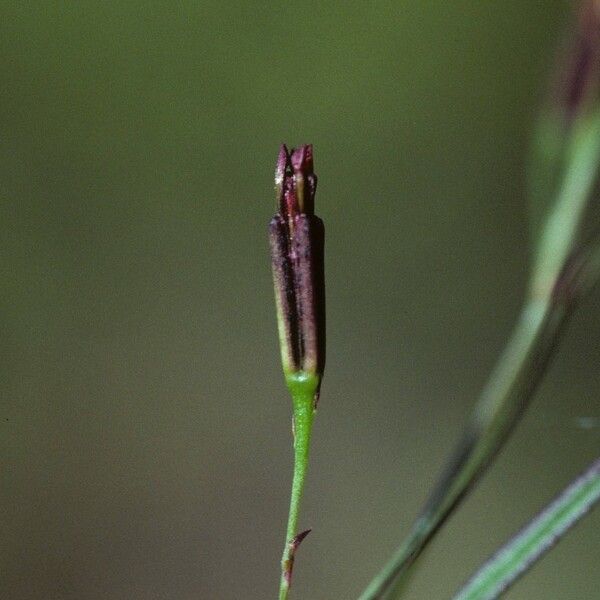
{"x": 305, "y": 181}
{"x": 282, "y": 165}
{"x": 302, "y": 159}
{"x": 283, "y": 161}
{"x": 295, "y": 181}
{"x": 580, "y": 78}
{"x": 293, "y": 545}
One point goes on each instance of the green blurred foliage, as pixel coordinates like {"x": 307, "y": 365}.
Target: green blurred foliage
{"x": 145, "y": 431}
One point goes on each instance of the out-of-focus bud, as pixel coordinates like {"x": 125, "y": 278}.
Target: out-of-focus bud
{"x": 565, "y": 168}
{"x": 296, "y": 239}
{"x": 578, "y": 82}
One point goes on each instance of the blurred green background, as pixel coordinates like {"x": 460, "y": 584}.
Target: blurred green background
{"x": 146, "y": 429}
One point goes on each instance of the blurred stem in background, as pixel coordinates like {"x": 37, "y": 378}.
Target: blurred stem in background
{"x": 529, "y": 545}
{"x": 564, "y": 187}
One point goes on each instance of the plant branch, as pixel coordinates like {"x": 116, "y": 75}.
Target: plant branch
{"x": 539, "y": 536}
{"x": 506, "y": 396}
{"x": 563, "y": 270}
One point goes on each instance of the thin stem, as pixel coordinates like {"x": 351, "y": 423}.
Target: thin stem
{"x": 507, "y": 394}
{"x": 562, "y": 271}
{"x": 302, "y": 387}
{"x": 530, "y": 544}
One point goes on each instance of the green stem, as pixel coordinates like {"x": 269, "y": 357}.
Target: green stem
{"x": 539, "y": 536}
{"x": 565, "y": 266}
{"x": 303, "y": 388}
{"x": 506, "y": 396}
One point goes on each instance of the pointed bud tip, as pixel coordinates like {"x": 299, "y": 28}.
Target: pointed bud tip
{"x": 293, "y": 545}
{"x": 282, "y": 163}
{"x": 297, "y": 540}
{"x": 302, "y": 159}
